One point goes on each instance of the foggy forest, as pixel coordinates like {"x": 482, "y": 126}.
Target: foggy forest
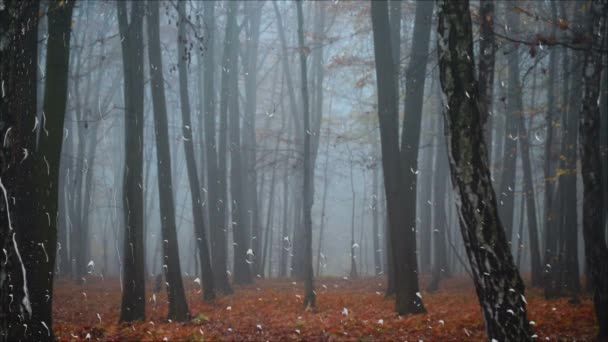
{"x": 231, "y": 170}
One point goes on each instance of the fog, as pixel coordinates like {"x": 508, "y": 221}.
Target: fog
{"x": 400, "y": 148}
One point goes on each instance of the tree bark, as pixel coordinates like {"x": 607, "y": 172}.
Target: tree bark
{"x": 494, "y": 273}
{"x": 407, "y": 299}
{"x": 195, "y": 185}
{"x": 216, "y": 177}
{"x": 308, "y": 196}
{"x": 131, "y": 33}
{"x": 178, "y": 308}
{"x": 29, "y": 174}
{"x": 487, "y": 53}
{"x": 594, "y": 215}
{"x": 410, "y": 141}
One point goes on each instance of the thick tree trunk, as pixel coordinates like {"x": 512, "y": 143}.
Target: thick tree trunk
{"x": 594, "y": 215}
{"x": 29, "y": 174}
{"x": 131, "y": 33}
{"x": 178, "y": 308}
{"x": 495, "y": 276}
{"x": 407, "y": 298}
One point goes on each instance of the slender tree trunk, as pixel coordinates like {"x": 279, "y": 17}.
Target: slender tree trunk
{"x": 425, "y": 206}
{"x": 482, "y": 230}
{"x": 242, "y": 250}
{"x": 178, "y": 308}
{"x": 308, "y": 196}
{"x": 440, "y": 224}
{"x": 195, "y": 186}
{"x": 514, "y": 105}
{"x": 487, "y": 52}
{"x": 410, "y": 140}
{"x": 528, "y": 191}
{"x": 215, "y": 177}
{"x": 550, "y": 247}
{"x": 353, "y": 246}
{"x": 323, "y": 205}
{"x": 250, "y": 68}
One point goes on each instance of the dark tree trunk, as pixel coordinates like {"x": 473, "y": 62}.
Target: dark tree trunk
{"x": 131, "y": 33}
{"x": 29, "y": 235}
{"x": 178, "y": 308}
{"x": 410, "y": 140}
{"x": 395, "y": 38}
{"x": 195, "y": 185}
{"x": 407, "y": 298}
{"x": 549, "y": 219}
{"x": 495, "y": 276}
{"x": 308, "y": 196}
{"x": 594, "y": 215}
{"x": 567, "y": 188}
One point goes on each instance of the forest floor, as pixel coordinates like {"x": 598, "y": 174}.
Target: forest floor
{"x": 272, "y": 310}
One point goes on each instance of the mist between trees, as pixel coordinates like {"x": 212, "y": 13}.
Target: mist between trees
{"x": 226, "y": 143}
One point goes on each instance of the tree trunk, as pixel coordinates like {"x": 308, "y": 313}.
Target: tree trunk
{"x": 440, "y": 265}
{"x": 242, "y": 251}
{"x": 131, "y": 33}
{"x": 487, "y": 52}
{"x": 495, "y": 276}
{"x": 550, "y": 247}
{"x": 178, "y": 308}
{"x": 407, "y": 298}
{"x": 29, "y": 175}
{"x": 528, "y": 191}
{"x": 195, "y": 186}
{"x": 594, "y": 215}
{"x": 250, "y": 69}
{"x": 410, "y": 140}
{"x": 308, "y": 196}
{"x": 514, "y": 105}
{"x": 216, "y": 178}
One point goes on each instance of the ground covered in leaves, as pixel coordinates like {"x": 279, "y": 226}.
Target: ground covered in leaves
{"x": 272, "y": 310}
